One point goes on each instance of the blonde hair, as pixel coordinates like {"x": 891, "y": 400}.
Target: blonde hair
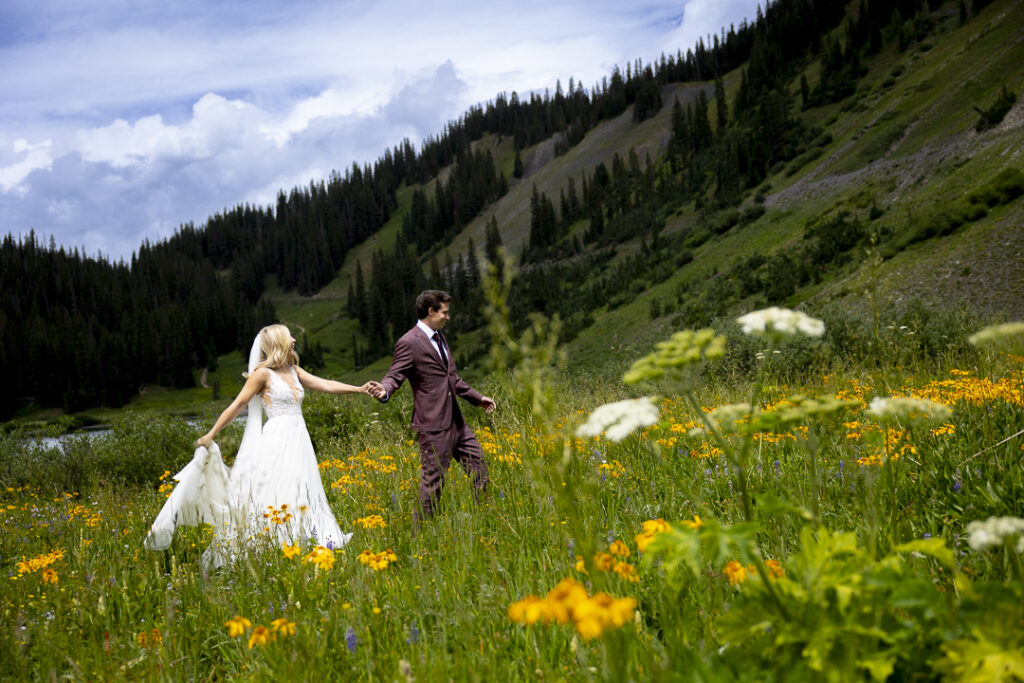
{"x": 276, "y": 348}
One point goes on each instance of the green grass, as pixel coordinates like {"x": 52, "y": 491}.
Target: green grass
{"x": 888, "y": 538}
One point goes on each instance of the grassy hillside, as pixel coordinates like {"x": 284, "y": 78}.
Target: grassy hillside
{"x": 904, "y": 145}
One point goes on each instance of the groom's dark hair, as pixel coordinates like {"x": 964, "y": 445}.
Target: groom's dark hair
{"x": 430, "y": 299}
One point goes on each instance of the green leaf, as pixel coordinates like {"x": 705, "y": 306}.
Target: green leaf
{"x": 981, "y": 661}
{"x": 679, "y": 546}
{"x": 934, "y": 547}
{"x": 879, "y": 665}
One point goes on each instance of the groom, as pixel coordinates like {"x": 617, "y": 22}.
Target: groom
{"x": 423, "y": 357}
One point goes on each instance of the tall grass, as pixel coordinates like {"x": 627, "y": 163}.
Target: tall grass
{"x": 851, "y": 560}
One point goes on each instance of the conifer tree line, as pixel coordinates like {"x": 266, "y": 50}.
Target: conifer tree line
{"x": 80, "y": 331}
{"x": 473, "y": 183}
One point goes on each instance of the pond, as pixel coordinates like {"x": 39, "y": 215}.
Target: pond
{"x": 96, "y": 431}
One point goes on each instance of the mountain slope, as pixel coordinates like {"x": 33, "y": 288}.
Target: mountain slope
{"x": 905, "y": 146}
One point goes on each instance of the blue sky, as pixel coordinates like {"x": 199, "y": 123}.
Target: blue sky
{"x": 121, "y": 120}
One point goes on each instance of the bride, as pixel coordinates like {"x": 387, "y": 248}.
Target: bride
{"x": 274, "y": 489}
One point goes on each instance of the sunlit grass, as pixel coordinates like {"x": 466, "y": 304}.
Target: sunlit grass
{"x": 82, "y": 597}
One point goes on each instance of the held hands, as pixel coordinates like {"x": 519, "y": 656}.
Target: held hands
{"x": 374, "y": 389}
{"x": 488, "y": 404}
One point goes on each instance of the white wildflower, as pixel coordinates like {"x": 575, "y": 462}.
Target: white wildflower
{"x": 992, "y": 532}
{"x": 617, "y": 420}
{"x": 780, "y": 322}
{"x": 907, "y": 408}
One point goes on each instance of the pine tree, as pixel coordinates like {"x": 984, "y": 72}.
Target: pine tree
{"x": 721, "y": 107}
{"x": 361, "y": 305}
{"x": 472, "y": 266}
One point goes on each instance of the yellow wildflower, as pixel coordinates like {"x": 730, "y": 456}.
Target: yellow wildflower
{"x": 322, "y": 557}
{"x": 651, "y": 528}
{"x": 378, "y": 561}
{"x": 696, "y": 524}
{"x": 604, "y": 562}
{"x": 237, "y": 625}
{"x": 735, "y": 572}
{"x": 283, "y": 626}
{"x": 260, "y": 636}
{"x": 626, "y": 571}
{"x": 290, "y": 551}
{"x": 149, "y": 638}
{"x": 619, "y": 548}
{"x": 568, "y": 601}
{"x": 526, "y": 611}
{"x": 568, "y": 592}
{"x": 371, "y": 522}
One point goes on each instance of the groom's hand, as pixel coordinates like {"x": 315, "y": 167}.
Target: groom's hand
{"x": 488, "y": 404}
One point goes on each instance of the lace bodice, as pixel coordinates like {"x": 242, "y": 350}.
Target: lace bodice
{"x": 282, "y": 397}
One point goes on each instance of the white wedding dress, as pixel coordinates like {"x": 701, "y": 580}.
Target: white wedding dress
{"x": 273, "y": 493}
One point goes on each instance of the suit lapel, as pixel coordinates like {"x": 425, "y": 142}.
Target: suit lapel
{"x": 427, "y": 347}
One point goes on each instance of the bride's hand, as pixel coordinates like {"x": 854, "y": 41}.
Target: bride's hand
{"x": 205, "y": 440}
{"x": 374, "y": 389}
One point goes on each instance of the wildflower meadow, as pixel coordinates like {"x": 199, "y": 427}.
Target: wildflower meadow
{"x": 714, "y": 510}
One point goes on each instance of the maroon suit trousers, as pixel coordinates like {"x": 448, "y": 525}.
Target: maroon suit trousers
{"x": 436, "y": 452}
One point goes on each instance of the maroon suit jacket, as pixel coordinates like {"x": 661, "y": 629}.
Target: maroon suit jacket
{"x": 434, "y": 387}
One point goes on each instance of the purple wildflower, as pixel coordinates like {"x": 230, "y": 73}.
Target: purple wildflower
{"x": 351, "y": 641}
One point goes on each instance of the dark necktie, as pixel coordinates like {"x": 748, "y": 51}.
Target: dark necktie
{"x": 440, "y": 347}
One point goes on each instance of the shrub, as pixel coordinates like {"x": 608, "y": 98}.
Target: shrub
{"x": 994, "y": 115}
{"x": 723, "y": 221}
{"x": 830, "y": 238}
{"x": 136, "y": 450}
{"x": 751, "y": 213}
{"x": 1004, "y": 188}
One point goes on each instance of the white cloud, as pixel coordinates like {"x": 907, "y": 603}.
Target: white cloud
{"x": 701, "y": 18}
{"x": 32, "y": 157}
{"x": 217, "y": 123}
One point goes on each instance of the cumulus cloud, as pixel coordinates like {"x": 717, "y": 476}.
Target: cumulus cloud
{"x": 27, "y": 158}
{"x": 429, "y": 102}
{"x": 703, "y": 18}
